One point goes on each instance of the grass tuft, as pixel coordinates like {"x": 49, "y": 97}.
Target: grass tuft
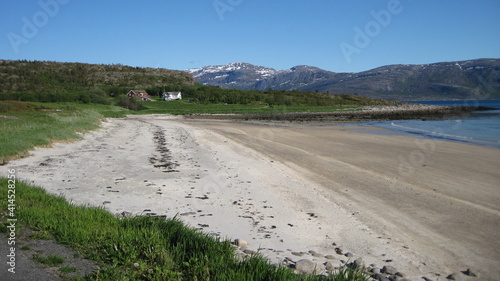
{"x": 52, "y": 260}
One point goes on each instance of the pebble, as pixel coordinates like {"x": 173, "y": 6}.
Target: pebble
{"x": 330, "y": 257}
{"x": 240, "y": 243}
{"x": 330, "y": 266}
{"x": 249, "y": 252}
{"x": 315, "y": 254}
{"x": 358, "y": 263}
{"x": 387, "y": 269}
{"x": 126, "y": 214}
{"x": 306, "y": 266}
{"x": 380, "y": 277}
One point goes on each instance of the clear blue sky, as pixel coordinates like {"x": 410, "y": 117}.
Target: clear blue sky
{"x": 336, "y": 35}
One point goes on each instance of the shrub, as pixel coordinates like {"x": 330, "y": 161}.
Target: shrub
{"x": 130, "y": 103}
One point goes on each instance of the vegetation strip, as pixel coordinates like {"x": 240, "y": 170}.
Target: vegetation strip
{"x": 34, "y": 124}
{"x": 387, "y": 113}
{"x": 143, "y": 248}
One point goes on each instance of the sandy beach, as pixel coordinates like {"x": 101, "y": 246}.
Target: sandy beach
{"x": 293, "y": 191}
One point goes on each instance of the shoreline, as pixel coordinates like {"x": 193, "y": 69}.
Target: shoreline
{"x": 266, "y": 185}
{"x": 371, "y": 113}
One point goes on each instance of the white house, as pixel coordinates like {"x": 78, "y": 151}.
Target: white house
{"x": 168, "y": 96}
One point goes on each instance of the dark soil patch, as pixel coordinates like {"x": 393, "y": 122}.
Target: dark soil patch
{"x": 28, "y": 254}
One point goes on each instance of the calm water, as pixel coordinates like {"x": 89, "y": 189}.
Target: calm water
{"x": 480, "y": 127}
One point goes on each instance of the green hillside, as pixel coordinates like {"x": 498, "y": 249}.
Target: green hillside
{"x": 40, "y": 81}
{"x": 54, "y": 82}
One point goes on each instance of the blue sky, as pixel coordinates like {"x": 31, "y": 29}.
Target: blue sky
{"x": 336, "y": 35}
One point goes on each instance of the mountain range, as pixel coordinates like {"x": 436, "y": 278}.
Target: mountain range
{"x": 471, "y": 79}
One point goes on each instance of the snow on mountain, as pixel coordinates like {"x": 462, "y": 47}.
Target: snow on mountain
{"x": 464, "y": 79}
{"x": 249, "y": 76}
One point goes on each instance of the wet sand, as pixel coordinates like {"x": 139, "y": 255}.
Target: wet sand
{"x": 426, "y": 207}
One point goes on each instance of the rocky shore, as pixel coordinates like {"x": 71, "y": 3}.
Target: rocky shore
{"x": 312, "y": 262}
{"x": 405, "y": 111}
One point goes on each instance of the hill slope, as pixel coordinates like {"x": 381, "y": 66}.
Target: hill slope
{"x": 55, "y": 77}
{"x": 472, "y": 79}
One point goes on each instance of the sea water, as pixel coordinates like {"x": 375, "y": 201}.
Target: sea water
{"x": 479, "y": 127}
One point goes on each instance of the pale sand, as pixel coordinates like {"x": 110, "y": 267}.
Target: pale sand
{"x": 432, "y": 207}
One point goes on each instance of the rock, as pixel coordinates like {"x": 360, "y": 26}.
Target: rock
{"x": 387, "y": 269}
{"x": 306, "y": 266}
{"x": 394, "y": 278}
{"x": 380, "y": 277}
{"x": 458, "y": 276}
{"x": 427, "y": 279}
{"x": 240, "y": 256}
{"x": 358, "y": 263}
{"x": 299, "y": 254}
{"x": 375, "y": 270}
{"x": 240, "y": 243}
{"x": 330, "y": 266}
{"x": 400, "y": 274}
{"x": 330, "y": 257}
{"x": 126, "y": 214}
{"x": 349, "y": 255}
{"x": 315, "y": 254}
{"x": 249, "y": 252}
{"x": 470, "y": 273}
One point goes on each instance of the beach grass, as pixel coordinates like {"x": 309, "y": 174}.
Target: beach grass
{"x": 28, "y": 125}
{"x": 141, "y": 248}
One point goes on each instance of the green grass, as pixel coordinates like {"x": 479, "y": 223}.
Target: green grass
{"x": 52, "y": 260}
{"x": 67, "y": 269}
{"x": 37, "y": 124}
{"x": 141, "y": 248}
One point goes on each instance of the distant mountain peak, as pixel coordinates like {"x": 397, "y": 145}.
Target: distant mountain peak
{"x": 472, "y": 79}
